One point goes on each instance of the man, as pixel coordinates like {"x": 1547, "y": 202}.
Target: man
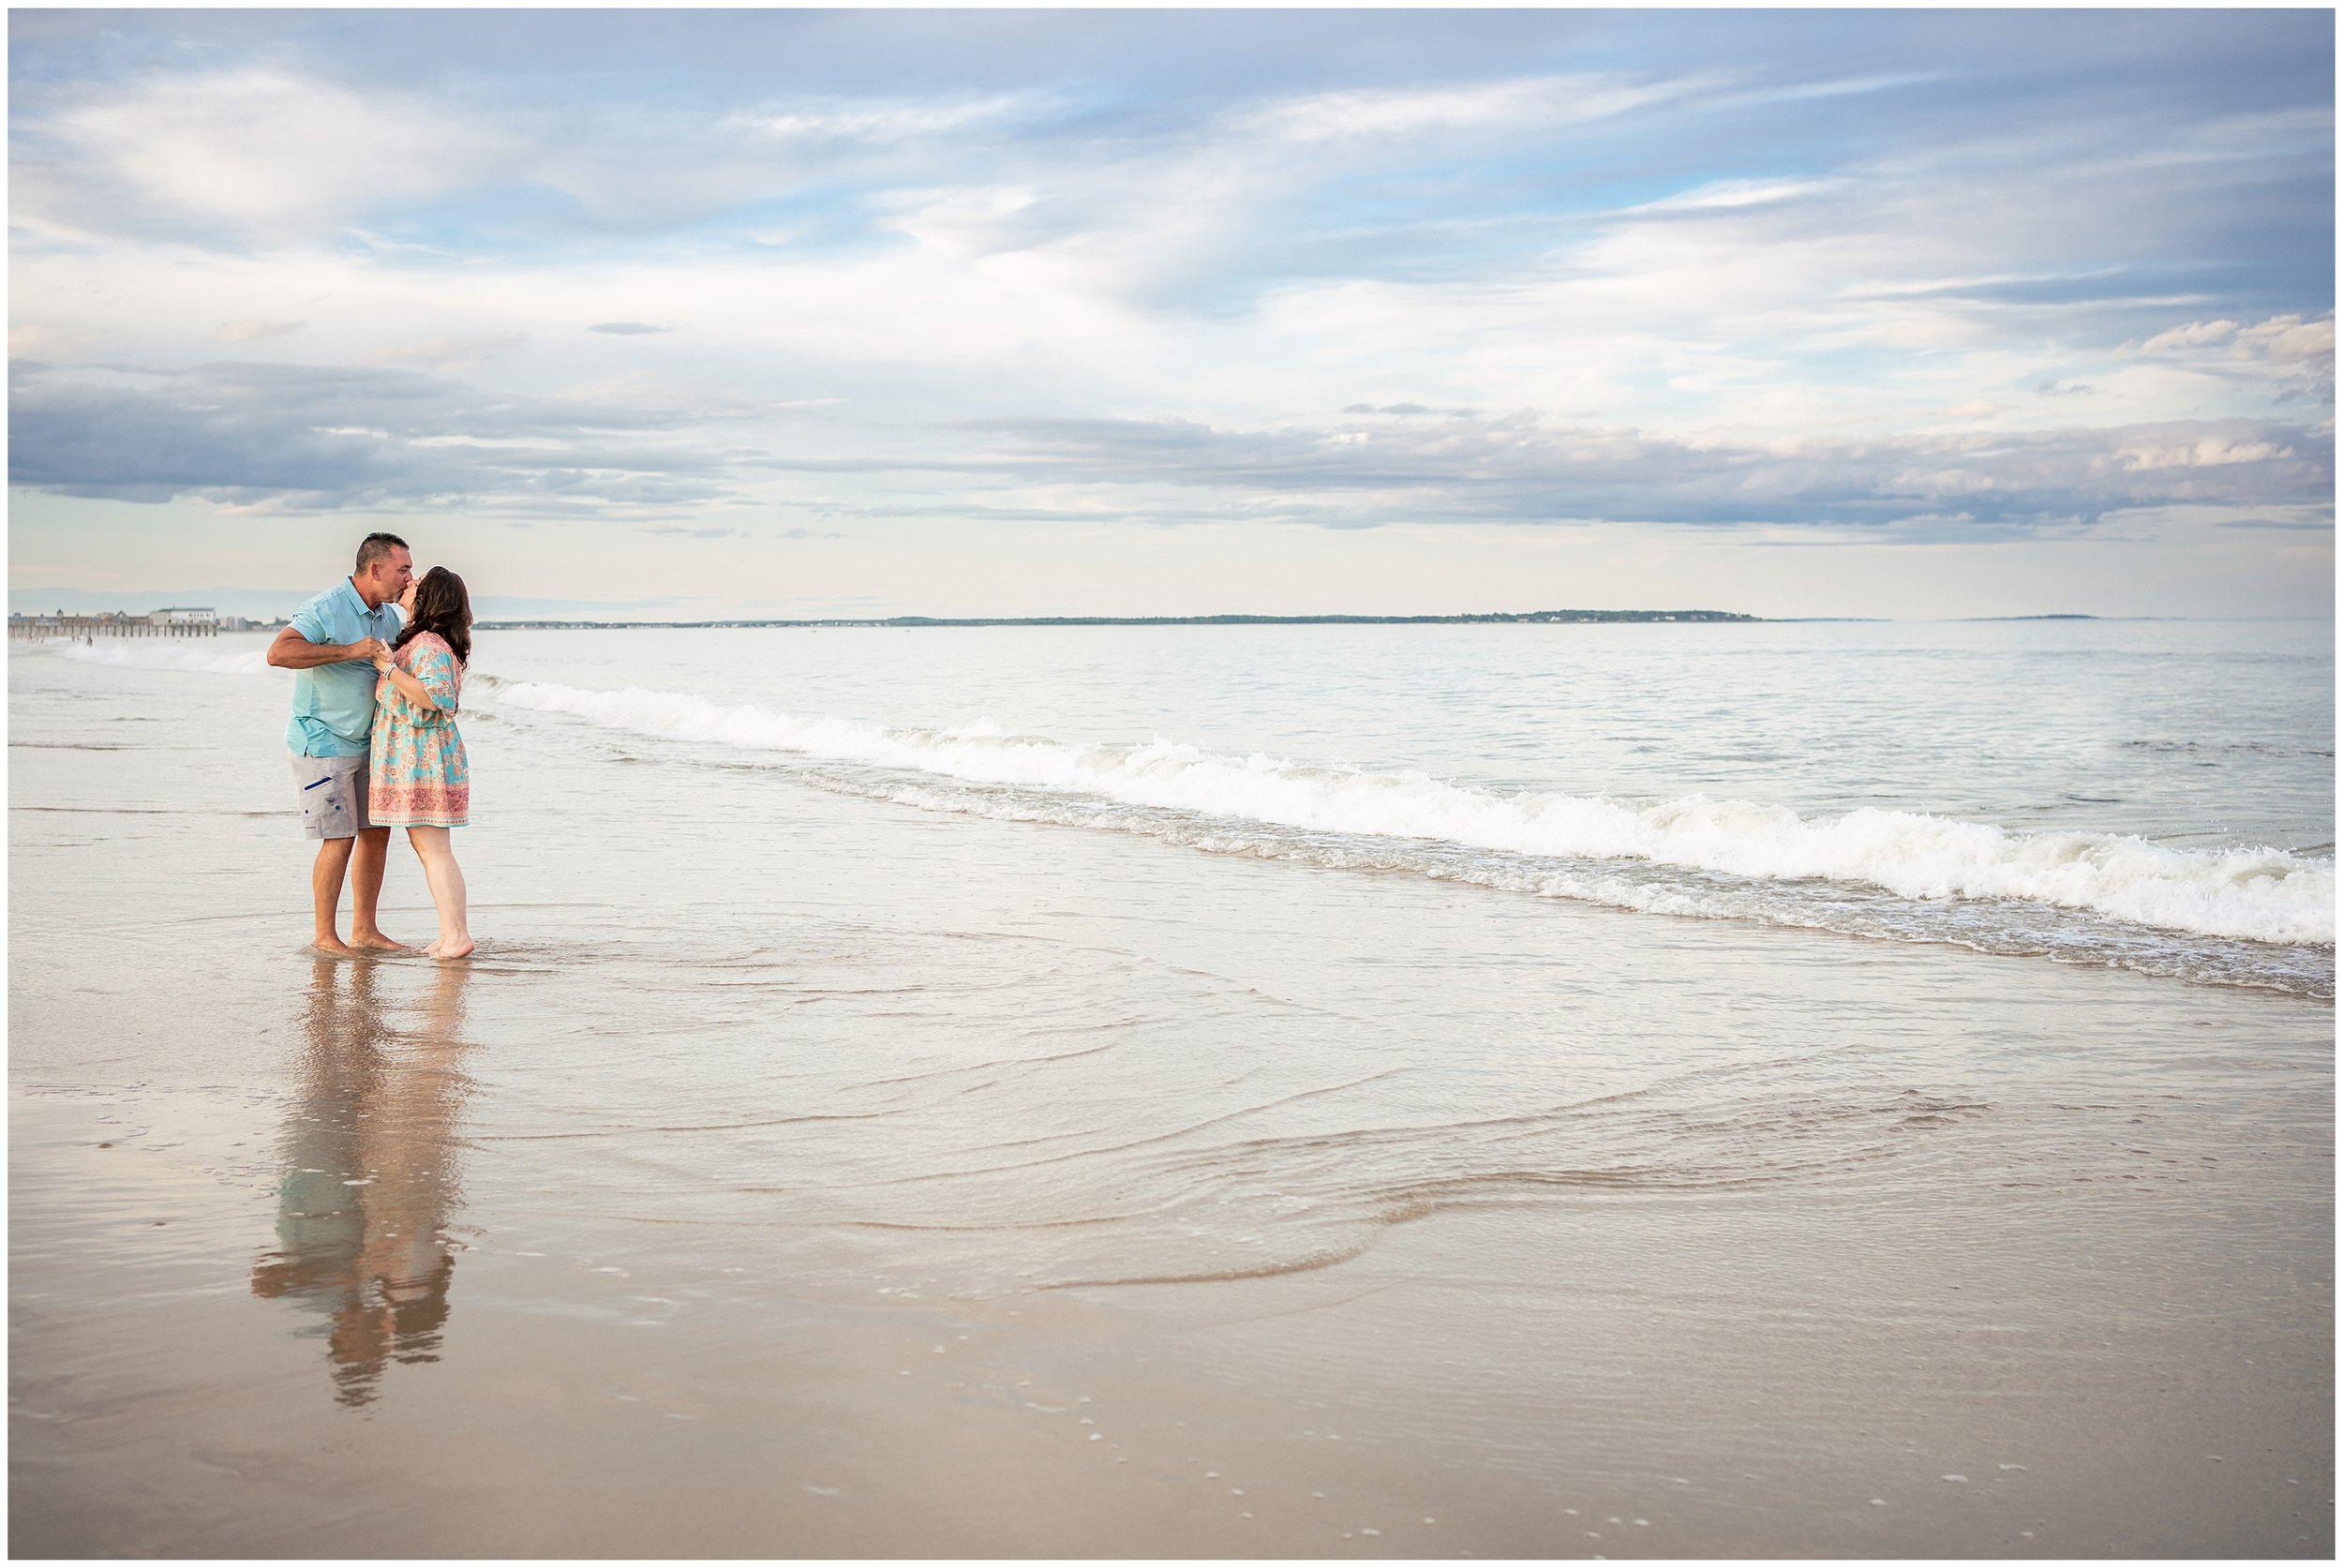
{"x": 331, "y": 643}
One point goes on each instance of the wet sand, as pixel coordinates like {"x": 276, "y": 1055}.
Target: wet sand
{"x": 795, "y": 1175}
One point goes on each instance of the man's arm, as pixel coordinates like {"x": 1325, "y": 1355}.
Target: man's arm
{"x": 294, "y": 651}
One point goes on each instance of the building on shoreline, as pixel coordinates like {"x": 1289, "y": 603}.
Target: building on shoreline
{"x": 172, "y": 621}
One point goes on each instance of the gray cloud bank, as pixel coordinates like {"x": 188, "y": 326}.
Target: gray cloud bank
{"x": 308, "y": 438}
{"x": 1466, "y": 468}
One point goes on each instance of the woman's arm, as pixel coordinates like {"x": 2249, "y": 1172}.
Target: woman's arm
{"x": 414, "y": 690}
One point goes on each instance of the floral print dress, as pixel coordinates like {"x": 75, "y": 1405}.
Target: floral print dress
{"x": 418, "y": 776}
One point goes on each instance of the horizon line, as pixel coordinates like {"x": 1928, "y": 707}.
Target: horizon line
{"x": 587, "y": 620}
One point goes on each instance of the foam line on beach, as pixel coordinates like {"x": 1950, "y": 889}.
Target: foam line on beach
{"x": 167, "y": 656}
{"x": 2256, "y": 893}
{"x": 1997, "y": 926}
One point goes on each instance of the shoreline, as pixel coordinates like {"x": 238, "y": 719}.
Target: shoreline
{"x": 1526, "y": 617}
{"x": 795, "y": 1175}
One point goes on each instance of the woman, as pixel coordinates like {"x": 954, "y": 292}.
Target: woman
{"x": 419, "y": 777}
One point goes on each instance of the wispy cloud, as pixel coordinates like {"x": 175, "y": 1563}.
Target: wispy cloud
{"x": 257, "y": 153}
{"x": 1509, "y": 108}
{"x": 453, "y": 348}
{"x": 1725, "y": 194}
{"x": 887, "y": 121}
{"x": 249, "y": 332}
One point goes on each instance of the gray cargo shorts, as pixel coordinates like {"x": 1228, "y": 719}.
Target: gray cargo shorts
{"x": 332, "y": 793}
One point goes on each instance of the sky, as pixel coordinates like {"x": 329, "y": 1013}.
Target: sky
{"x": 686, "y": 314}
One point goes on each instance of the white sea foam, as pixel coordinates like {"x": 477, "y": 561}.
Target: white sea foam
{"x": 2258, "y": 894}
{"x": 1995, "y": 926}
{"x": 167, "y": 656}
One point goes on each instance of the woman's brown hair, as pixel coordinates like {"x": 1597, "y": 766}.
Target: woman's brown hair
{"x": 441, "y": 605}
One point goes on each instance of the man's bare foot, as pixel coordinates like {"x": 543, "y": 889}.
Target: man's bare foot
{"x": 375, "y": 942}
{"x": 449, "y": 950}
{"x": 333, "y": 947}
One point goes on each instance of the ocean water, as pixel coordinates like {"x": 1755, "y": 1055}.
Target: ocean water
{"x": 1714, "y": 1076}
{"x": 2156, "y": 796}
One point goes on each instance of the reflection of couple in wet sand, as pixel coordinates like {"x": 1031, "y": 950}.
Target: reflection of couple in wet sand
{"x": 377, "y": 747}
{"x": 371, "y": 1177}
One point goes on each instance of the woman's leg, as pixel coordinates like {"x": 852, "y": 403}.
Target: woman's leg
{"x": 446, "y": 879}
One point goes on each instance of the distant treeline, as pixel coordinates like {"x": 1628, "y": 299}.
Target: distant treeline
{"x": 1535, "y": 618}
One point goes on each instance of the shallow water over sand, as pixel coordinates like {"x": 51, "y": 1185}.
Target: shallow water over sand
{"x": 796, "y": 1171}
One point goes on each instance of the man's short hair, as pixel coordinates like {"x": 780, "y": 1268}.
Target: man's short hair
{"x": 374, "y": 546}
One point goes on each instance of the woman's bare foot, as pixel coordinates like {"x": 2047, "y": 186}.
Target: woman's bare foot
{"x": 449, "y": 950}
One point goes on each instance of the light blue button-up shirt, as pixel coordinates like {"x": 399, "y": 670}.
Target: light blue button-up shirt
{"x": 332, "y": 704}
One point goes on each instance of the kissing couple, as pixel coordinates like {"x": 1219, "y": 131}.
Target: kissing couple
{"x": 379, "y": 667}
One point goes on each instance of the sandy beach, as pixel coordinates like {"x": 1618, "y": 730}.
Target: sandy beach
{"x": 1531, "y": 782}
{"x": 795, "y": 1173}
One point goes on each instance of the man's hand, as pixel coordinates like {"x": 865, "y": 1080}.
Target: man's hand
{"x": 369, "y": 649}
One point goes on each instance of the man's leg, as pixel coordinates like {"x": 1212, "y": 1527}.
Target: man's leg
{"x": 365, "y": 889}
{"x": 325, "y": 891}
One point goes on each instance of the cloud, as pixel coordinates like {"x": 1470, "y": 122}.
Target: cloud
{"x": 246, "y": 332}
{"x": 2205, "y": 452}
{"x": 1506, "y": 106}
{"x": 257, "y": 153}
{"x": 889, "y": 120}
{"x": 45, "y": 342}
{"x": 1721, "y": 195}
{"x": 269, "y": 154}
{"x": 2303, "y": 350}
{"x": 1519, "y": 469}
{"x": 1207, "y": 203}
{"x": 2295, "y": 353}
{"x": 2194, "y": 334}
{"x": 627, "y": 329}
{"x": 307, "y": 438}
{"x": 2291, "y": 340}
{"x": 453, "y": 348}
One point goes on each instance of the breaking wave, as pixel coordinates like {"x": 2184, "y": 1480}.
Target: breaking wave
{"x": 2262, "y": 894}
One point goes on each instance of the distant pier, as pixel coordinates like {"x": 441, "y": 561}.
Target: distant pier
{"x": 175, "y": 621}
